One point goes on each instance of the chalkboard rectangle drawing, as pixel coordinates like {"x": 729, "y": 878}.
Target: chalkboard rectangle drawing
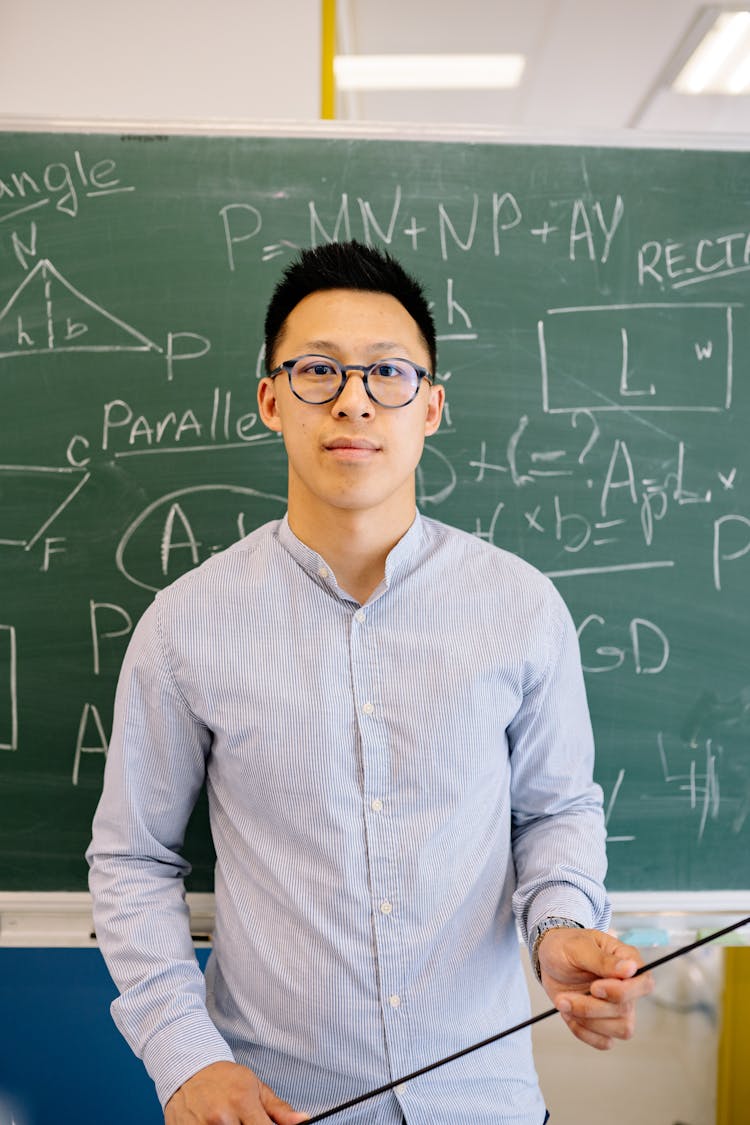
{"x": 8, "y": 689}
{"x": 635, "y": 345}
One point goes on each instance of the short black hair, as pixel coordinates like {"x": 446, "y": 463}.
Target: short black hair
{"x": 347, "y": 265}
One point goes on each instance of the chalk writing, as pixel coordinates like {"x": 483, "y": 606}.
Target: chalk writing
{"x": 701, "y": 788}
{"x": 611, "y": 808}
{"x": 119, "y": 615}
{"x": 606, "y": 658}
{"x": 90, "y": 718}
{"x": 731, "y": 527}
{"x": 59, "y": 183}
{"x": 682, "y": 264}
{"x": 590, "y": 226}
{"x": 176, "y": 544}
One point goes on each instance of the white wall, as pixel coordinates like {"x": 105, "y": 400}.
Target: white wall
{"x": 160, "y": 60}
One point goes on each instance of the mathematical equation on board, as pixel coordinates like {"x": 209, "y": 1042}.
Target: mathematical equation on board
{"x": 568, "y": 471}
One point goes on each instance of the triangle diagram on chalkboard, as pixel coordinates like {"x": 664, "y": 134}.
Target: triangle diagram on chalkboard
{"x": 31, "y": 499}
{"x": 47, "y": 314}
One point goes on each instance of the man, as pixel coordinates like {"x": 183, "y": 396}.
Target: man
{"x": 391, "y": 721}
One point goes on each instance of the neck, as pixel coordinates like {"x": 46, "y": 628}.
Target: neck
{"x": 355, "y": 544}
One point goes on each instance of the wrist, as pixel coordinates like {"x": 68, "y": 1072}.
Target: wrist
{"x": 537, "y": 934}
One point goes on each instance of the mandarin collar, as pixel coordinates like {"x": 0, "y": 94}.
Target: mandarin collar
{"x": 399, "y": 562}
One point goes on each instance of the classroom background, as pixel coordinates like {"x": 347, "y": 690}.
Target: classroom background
{"x": 577, "y": 70}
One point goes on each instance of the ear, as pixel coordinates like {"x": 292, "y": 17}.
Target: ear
{"x": 435, "y": 406}
{"x": 268, "y": 406}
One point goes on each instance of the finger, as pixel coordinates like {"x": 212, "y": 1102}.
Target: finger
{"x": 604, "y": 998}
{"x": 278, "y": 1110}
{"x": 587, "y": 1035}
{"x": 583, "y": 1007}
{"x": 609, "y": 1020}
{"x": 623, "y": 1028}
{"x": 615, "y": 1021}
{"x": 623, "y": 991}
{"x": 623, "y": 960}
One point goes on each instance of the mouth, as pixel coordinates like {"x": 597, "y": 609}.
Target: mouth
{"x": 351, "y": 450}
{"x": 363, "y": 444}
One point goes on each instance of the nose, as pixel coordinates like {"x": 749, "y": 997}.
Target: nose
{"x": 353, "y": 402}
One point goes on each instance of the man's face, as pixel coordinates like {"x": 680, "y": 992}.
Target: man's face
{"x": 351, "y": 453}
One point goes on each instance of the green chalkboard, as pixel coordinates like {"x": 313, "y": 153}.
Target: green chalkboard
{"x": 591, "y": 304}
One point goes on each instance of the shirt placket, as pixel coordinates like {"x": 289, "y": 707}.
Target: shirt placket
{"x": 379, "y": 797}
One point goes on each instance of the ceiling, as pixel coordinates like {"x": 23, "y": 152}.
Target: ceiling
{"x": 592, "y": 64}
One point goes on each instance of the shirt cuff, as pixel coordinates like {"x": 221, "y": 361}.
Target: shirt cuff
{"x": 178, "y": 1051}
{"x": 564, "y": 901}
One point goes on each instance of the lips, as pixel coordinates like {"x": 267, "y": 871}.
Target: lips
{"x": 351, "y": 443}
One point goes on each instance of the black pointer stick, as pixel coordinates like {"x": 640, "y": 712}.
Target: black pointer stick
{"x": 518, "y": 1027}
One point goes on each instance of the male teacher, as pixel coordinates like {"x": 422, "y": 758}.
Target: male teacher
{"x": 390, "y": 718}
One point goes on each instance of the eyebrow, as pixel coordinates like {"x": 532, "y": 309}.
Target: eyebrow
{"x": 327, "y": 346}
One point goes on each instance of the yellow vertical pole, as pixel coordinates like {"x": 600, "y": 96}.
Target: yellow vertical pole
{"x": 733, "y": 1093}
{"x": 328, "y": 50}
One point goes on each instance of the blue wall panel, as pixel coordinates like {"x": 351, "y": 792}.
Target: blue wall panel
{"x": 62, "y": 1058}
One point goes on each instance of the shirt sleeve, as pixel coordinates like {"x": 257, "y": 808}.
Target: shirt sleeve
{"x": 558, "y": 832}
{"x": 154, "y": 772}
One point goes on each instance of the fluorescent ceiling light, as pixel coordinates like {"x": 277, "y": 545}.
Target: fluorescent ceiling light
{"x": 428, "y": 72}
{"x": 739, "y": 81}
{"x": 720, "y": 64}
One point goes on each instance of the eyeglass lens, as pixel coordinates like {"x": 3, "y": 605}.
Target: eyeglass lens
{"x": 392, "y": 382}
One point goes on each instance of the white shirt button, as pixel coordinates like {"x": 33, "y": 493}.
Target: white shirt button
{"x": 386, "y": 907}
{"x": 323, "y": 571}
{"x": 394, "y": 1001}
{"x": 400, "y": 1089}
{"x": 368, "y": 708}
{"x": 376, "y": 805}
{"x": 359, "y": 616}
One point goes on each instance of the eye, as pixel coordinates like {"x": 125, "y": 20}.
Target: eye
{"x": 316, "y": 367}
{"x": 388, "y": 369}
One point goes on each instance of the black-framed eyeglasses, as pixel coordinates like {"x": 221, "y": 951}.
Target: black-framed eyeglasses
{"x": 318, "y": 379}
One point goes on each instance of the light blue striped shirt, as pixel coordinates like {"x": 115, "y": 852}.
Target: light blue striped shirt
{"x": 390, "y": 786}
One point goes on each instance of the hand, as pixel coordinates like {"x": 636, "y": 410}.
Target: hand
{"x": 225, "y": 1093}
{"x": 587, "y": 975}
